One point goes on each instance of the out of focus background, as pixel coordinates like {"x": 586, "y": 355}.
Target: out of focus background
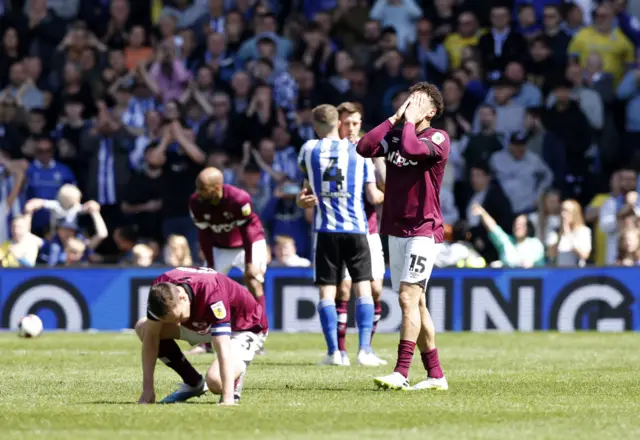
{"x": 542, "y": 106}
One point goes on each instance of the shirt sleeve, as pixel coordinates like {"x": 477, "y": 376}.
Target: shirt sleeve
{"x": 302, "y": 160}
{"x": 221, "y": 317}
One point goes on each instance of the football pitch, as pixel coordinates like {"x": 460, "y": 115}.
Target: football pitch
{"x": 502, "y": 386}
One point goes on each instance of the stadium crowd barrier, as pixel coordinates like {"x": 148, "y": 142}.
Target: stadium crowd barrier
{"x": 113, "y": 298}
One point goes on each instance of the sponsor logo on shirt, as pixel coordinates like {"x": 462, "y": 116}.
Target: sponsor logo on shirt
{"x": 400, "y": 161}
{"x": 223, "y": 227}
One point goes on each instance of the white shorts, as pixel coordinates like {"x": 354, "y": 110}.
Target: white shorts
{"x": 225, "y": 259}
{"x": 245, "y": 345}
{"x": 411, "y": 259}
{"x": 377, "y": 258}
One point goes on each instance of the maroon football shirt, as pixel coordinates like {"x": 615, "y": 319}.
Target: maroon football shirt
{"x": 219, "y": 305}
{"x": 230, "y": 224}
{"x": 415, "y": 166}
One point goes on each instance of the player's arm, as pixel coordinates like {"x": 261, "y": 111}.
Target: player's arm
{"x": 222, "y": 346}
{"x": 306, "y": 199}
{"x": 251, "y": 231}
{"x": 414, "y": 148}
{"x": 373, "y": 144}
{"x": 373, "y": 194}
{"x": 380, "y": 172}
{"x": 150, "y": 344}
{"x": 205, "y": 237}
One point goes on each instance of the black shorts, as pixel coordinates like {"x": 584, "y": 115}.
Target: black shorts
{"x": 335, "y": 251}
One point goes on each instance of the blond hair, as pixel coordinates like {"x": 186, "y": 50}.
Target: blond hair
{"x": 325, "y": 116}
{"x": 177, "y": 252}
{"x": 576, "y": 212}
{"x": 281, "y": 240}
{"x": 69, "y": 195}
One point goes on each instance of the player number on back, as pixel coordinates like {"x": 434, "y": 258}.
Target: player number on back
{"x": 417, "y": 264}
{"x": 196, "y": 269}
{"x": 333, "y": 173}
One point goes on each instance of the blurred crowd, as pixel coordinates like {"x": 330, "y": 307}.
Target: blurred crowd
{"x": 110, "y": 108}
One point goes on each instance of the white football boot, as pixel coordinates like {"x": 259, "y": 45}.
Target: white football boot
{"x": 186, "y": 392}
{"x": 393, "y": 381}
{"x": 345, "y": 359}
{"x": 378, "y": 359}
{"x": 432, "y": 384}
{"x": 334, "y": 359}
{"x": 366, "y": 358}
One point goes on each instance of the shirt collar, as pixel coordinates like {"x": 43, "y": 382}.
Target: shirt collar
{"x": 39, "y": 164}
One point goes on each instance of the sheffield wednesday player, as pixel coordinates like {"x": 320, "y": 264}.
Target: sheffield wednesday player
{"x": 197, "y": 304}
{"x": 338, "y": 182}
{"x": 416, "y": 158}
{"x": 229, "y": 232}
{"x": 349, "y": 128}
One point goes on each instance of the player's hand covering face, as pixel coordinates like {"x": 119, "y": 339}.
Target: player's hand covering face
{"x": 418, "y": 107}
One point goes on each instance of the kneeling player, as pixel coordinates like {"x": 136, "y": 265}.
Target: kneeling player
{"x": 199, "y": 305}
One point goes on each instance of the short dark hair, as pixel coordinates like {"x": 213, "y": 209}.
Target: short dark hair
{"x": 433, "y": 93}
{"x": 162, "y": 297}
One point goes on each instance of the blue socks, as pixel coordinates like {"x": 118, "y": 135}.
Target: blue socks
{"x": 364, "y": 320}
{"x": 329, "y": 321}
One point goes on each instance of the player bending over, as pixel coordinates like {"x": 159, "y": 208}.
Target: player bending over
{"x": 229, "y": 232}
{"x": 338, "y": 180}
{"x": 198, "y": 304}
{"x": 349, "y": 127}
{"x": 416, "y": 158}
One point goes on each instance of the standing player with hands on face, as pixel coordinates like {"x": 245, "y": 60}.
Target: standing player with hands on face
{"x": 197, "y": 304}
{"x": 229, "y": 232}
{"x": 350, "y": 124}
{"x": 416, "y": 158}
{"x": 338, "y": 180}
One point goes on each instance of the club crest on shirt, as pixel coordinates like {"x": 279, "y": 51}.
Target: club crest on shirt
{"x": 246, "y": 210}
{"x": 437, "y": 138}
{"x": 219, "y": 311}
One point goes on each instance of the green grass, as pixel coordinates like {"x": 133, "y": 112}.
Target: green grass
{"x": 502, "y": 386}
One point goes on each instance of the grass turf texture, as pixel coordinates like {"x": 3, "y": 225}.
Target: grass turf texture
{"x": 503, "y": 386}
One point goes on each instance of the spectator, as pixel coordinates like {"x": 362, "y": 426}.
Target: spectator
{"x": 526, "y": 94}
{"x": 286, "y": 254}
{"x": 527, "y": 23}
{"x": 569, "y": 124}
{"x": 571, "y": 245}
{"x": 142, "y": 255}
{"x": 66, "y": 205}
{"x": 607, "y": 40}
{"x": 74, "y": 252}
{"x": 107, "y": 146}
{"x": 541, "y": 66}
{"x": 522, "y": 174}
{"x": 489, "y": 194}
{"x": 21, "y": 250}
{"x": 430, "y": 53}
{"x": 137, "y": 50}
{"x": 12, "y": 177}
{"x": 521, "y": 250}
{"x": 509, "y": 114}
{"x": 45, "y": 177}
{"x": 52, "y": 252}
{"x": 629, "y": 91}
{"x": 399, "y": 14}
{"x": 266, "y": 26}
{"x": 618, "y": 210}
{"x": 467, "y": 35}
{"x": 629, "y": 248}
{"x": 143, "y": 201}
{"x": 125, "y": 239}
{"x": 502, "y": 44}
{"x": 546, "y": 220}
{"x": 183, "y": 160}
{"x": 169, "y": 73}
{"x": 177, "y": 252}
{"x": 23, "y": 89}
{"x": 556, "y": 36}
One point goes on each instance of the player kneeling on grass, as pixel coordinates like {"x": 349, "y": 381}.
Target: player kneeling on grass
{"x": 198, "y": 304}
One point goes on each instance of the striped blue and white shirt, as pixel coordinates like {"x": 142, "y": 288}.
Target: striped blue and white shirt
{"x": 337, "y": 175}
